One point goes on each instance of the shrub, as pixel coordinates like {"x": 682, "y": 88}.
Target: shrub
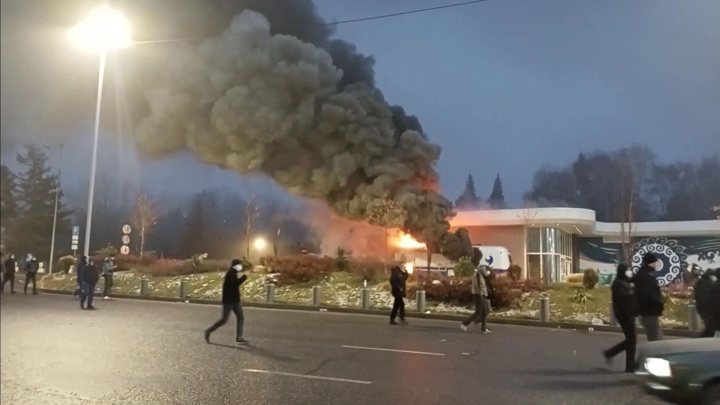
{"x": 368, "y": 268}
{"x": 127, "y": 262}
{"x": 515, "y": 272}
{"x": 108, "y": 250}
{"x": 299, "y": 269}
{"x": 581, "y": 296}
{"x": 575, "y": 278}
{"x": 66, "y": 262}
{"x": 464, "y": 268}
{"x": 507, "y": 293}
{"x": 590, "y": 278}
{"x": 341, "y": 261}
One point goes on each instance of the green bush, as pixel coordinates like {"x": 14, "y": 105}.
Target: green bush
{"x": 575, "y": 278}
{"x": 507, "y": 293}
{"x": 515, "y": 272}
{"x": 590, "y": 278}
{"x": 464, "y": 268}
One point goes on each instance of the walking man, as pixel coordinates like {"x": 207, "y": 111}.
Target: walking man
{"x": 80, "y": 263}
{"x": 481, "y": 296}
{"x": 88, "y": 277}
{"x": 703, "y": 301}
{"x": 624, "y": 309}
{"x": 108, "y": 269}
{"x": 648, "y": 298}
{"x": 398, "y": 279}
{"x": 31, "y": 269}
{"x": 231, "y": 302}
{"x": 9, "y": 276}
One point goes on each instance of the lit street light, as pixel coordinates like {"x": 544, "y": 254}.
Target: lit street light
{"x": 259, "y": 244}
{"x": 103, "y": 30}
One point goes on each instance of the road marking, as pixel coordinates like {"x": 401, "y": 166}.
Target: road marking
{"x": 314, "y": 377}
{"x": 392, "y": 350}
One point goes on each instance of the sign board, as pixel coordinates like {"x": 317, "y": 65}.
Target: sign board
{"x": 125, "y": 239}
{"x": 73, "y": 247}
{"x": 125, "y": 250}
{"x": 75, "y": 233}
{"x": 126, "y": 229}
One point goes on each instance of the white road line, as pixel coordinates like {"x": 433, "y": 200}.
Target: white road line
{"x": 392, "y": 350}
{"x": 314, "y": 377}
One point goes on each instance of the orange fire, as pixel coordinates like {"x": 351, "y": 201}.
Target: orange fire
{"x": 409, "y": 243}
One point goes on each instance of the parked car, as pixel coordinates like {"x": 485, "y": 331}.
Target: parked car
{"x": 681, "y": 370}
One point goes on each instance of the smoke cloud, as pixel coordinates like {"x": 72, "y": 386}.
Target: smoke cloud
{"x": 251, "y": 101}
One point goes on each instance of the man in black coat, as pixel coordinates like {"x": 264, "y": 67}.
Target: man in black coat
{"x": 398, "y": 279}
{"x": 715, "y": 312}
{"x": 703, "y": 301}
{"x": 31, "y": 269}
{"x": 624, "y": 309}
{"x": 9, "y": 276}
{"x": 231, "y": 302}
{"x": 648, "y": 297}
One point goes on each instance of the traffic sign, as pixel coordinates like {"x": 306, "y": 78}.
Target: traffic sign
{"x": 125, "y": 239}
{"x": 126, "y": 229}
{"x": 125, "y": 250}
{"x": 73, "y": 247}
{"x": 75, "y": 232}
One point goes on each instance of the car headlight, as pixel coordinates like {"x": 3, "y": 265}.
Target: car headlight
{"x": 658, "y": 367}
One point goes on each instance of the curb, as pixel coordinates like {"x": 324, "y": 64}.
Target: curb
{"x": 409, "y": 314}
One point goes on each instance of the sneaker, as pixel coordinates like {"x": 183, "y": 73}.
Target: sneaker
{"x": 106, "y": 297}
{"x": 486, "y": 332}
{"x": 207, "y": 336}
{"x": 92, "y": 308}
{"x": 393, "y": 323}
{"x": 241, "y": 342}
{"x": 463, "y": 327}
{"x": 608, "y": 359}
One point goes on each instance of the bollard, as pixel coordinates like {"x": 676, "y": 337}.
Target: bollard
{"x": 613, "y": 320}
{"x": 184, "y": 288}
{"x": 316, "y": 296}
{"x": 270, "y": 293}
{"x": 144, "y": 286}
{"x": 365, "y": 298}
{"x": 544, "y": 309}
{"x": 420, "y": 298}
{"x": 693, "y": 318}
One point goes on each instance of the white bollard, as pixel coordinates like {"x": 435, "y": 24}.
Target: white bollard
{"x": 365, "y": 298}
{"x": 693, "y": 318}
{"x": 270, "y": 293}
{"x": 613, "y": 320}
{"x": 420, "y": 298}
{"x": 316, "y": 296}
{"x": 544, "y": 309}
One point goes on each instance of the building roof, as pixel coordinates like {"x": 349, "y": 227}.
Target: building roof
{"x": 581, "y": 221}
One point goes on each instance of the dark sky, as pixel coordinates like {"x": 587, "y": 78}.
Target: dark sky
{"x": 503, "y": 86}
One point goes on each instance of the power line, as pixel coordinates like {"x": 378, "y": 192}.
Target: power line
{"x": 377, "y": 17}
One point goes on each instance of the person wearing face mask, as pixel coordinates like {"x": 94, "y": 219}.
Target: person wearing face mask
{"x": 703, "y": 301}
{"x": 648, "y": 297}
{"x": 624, "y": 310}
{"x": 481, "y": 295}
{"x": 398, "y": 280}
{"x": 9, "y": 276}
{"x": 231, "y": 302}
{"x": 31, "y": 269}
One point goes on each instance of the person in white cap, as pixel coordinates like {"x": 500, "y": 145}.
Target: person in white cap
{"x": 231, "y": 302}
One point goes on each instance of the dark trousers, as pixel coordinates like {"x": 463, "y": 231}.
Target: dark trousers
{"x": 627, "y": 323}
{"x": 709, "y": 323}
{"x": 398, "y": 308}
{"x": 12, "y": 283}
{"x": 87, "y": 292}
{"x": 482, "y": 310}
{"x": 108, "y": 284}
{"x": 30, "y": 277}
{"x": 226, "y": 309}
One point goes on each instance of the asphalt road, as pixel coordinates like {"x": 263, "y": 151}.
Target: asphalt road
{"x": 139, "y": 352}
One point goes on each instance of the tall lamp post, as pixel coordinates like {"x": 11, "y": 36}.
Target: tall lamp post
{"x": 101, "y": 31}
{"x": 57, "y": 199}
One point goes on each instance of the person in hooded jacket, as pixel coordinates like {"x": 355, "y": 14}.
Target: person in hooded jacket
{"x": 398, "y": 279}
{"x": 9, "y": 276}
{"x": 481, "y": 291}
{"x": 231, "y": 302}
{"x": 703, "y": 301}
{"x": 623, "y": 302}
{"x": 88, "y": 277}
{"x": 31, "y": 269}
{"x": 80, "y": 262}
{"x": 648, "y": 297}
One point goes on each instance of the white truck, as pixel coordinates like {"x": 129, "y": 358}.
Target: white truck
{"x": 495, "y": 257}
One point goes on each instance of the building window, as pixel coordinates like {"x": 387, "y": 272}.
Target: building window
{"x": 549, "y": 253}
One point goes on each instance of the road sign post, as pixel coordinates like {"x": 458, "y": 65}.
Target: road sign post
{"x": 75, "y": 238}
{"x": 125, "y": 249}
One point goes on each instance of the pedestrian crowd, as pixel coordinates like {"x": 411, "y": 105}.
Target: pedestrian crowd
{"x": 638, "y": 295}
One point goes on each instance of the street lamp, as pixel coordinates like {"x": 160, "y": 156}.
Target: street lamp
{"x": 259, "y": 244}
{"x": 102, "y": 30}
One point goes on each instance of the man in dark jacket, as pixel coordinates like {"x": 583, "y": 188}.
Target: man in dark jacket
{"x": 481, "y": 291}
{"x": 715, "y": 312}
{"x": 231, "y": 302}
{"x": 648, "y": 297}
{"x": 9, "y": 276}
{"x": 398, "y": 279}
{"x": 31, "y": 269}
{"x": 80, "y": 263}
{"x": 88, "y": 278}
{"x": 703, "y": 301}
{"x": 624, "y": 309}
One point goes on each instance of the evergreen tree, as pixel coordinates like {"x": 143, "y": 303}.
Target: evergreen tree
{"x": 31, "y": 232}
{"x": 192, "y": 239}
{"x": 497, "y": 197}
{"x": 8, "y": 201}
{"x": 468, "y": 199}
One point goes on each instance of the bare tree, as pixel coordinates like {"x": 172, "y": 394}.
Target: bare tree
{"x": 627, "y": 195}
{"x": 144, "y": 218}
{"x": 716, "y": 209}
{"x": 252, "y": 212}
{"x": 527, "y": 215}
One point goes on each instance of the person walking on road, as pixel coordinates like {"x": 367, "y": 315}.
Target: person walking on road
{"x": 703, "y": 301}
{"x": 108, "y": 269}
{"x": 715, "y": 313}
{"x": 79, "y": 264}
{"x": 481, "y": 296}
{"x": 9, "y": 275}
{"x": 31, "y": 269}
{"x": 623, "y": 302}
{"x": 231, "y": 302}
{"x": 398, "y": 280}
{"x": 648, "y": 297}
{"x": 88, "y": 277}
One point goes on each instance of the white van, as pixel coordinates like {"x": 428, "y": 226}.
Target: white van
{"x": 496, "y": 257}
